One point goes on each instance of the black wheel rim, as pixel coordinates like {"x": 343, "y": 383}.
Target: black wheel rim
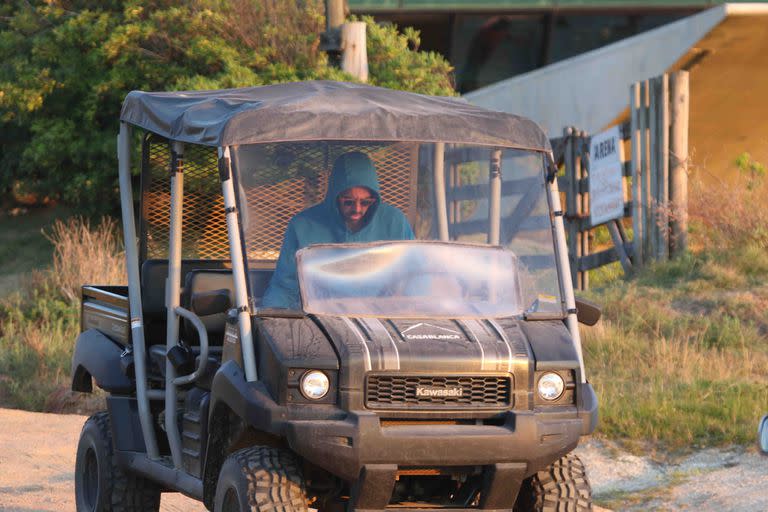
{"x": 91, "y": 479}
{"x": 230, "y": 503}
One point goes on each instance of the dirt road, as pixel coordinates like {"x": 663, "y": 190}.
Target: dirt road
{"x": 37, "y": 453}
{"x": 37, "y": 464}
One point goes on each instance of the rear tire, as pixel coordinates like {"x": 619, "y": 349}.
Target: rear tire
{"x": 260, "y": 479}
{"x": 561, "y": 487}
{"x": 101, "y": 485}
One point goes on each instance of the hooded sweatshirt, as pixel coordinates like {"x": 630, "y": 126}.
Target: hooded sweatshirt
{"x": 323, "y": 223}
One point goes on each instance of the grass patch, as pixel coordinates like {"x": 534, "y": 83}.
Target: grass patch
{"x": 681, "y": 356}
{"x": 680, "y": 359}
{"x": 40, "y": 321}
{"x": 677, "y": 372}
{"x": 36, "y": 340}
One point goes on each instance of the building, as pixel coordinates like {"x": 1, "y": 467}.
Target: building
{"x": 570, "y": 62}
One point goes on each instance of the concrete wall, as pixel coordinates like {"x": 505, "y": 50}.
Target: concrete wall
{"x": 591, "y": 90}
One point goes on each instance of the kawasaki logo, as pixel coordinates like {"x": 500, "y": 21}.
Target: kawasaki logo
{"x": 422, "y": 391}
{"x": 441, "y": 333}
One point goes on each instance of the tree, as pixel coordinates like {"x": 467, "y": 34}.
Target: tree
{"x": 65, "y": 67}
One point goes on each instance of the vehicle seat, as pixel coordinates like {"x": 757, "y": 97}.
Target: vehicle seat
{"x": 154, "y": 274}
{"x": 198, "y": 282}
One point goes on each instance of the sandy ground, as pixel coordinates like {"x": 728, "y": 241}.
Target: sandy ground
{"x": 37, "y": 461}
{"x": 37, "y": 464}
{"x": 710, "y": 480}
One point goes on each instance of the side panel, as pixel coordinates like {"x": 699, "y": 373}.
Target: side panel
{"x": 98, "y": 356}
{"x": 285, "y": 347}
{"x": 552, "y": 345}
{"x": 106, "y": 308}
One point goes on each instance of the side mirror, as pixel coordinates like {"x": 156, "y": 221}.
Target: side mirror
{"x": 588, "y": 313}
{"x": 210, "y": 303}
{"x": 762, "y": 435}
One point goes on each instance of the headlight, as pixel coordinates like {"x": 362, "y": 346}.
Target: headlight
{"x": 314, "y": 385}
{"x": 550, "y": 386}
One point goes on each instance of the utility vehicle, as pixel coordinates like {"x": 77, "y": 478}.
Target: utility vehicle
{"x": 441, "y": 372}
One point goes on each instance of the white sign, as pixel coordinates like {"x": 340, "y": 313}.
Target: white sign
{"x": 606, "y": 184}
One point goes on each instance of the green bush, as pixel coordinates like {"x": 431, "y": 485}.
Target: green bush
{"x": 66, "y": 65}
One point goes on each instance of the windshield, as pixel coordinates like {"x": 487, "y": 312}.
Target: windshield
{"x": 409, "y": 279}
{"x": 445, "y": 192}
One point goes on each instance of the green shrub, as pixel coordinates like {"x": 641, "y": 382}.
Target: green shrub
{"x": 65, "y": 68}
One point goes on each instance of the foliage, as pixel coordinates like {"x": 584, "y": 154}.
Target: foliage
{"x": 37, "y": 330}
{"x": 753, "y": 170}
{"x": 66, "y": 65}
{"x": 395, "y": 62}
{"x": 728, "y": 217}
{"x": 39, "y": 324}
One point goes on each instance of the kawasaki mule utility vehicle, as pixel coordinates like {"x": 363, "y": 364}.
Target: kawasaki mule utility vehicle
{"x": 440, "y": 372}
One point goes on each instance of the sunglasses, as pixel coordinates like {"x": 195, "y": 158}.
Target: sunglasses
{"x": 349, "y": 203}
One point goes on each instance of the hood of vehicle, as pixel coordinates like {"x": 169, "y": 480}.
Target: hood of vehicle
{"x": 426, "y": 346}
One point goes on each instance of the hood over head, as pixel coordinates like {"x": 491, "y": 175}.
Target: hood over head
{"x": 353, "y": 169}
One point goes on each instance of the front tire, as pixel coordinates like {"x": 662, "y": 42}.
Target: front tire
{"x": 561, "y": 487}
{"x": 260, "y": 479}
{"x": 101, "y": 485}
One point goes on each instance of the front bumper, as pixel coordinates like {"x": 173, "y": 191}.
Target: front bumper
{"x": 345, "y": 447}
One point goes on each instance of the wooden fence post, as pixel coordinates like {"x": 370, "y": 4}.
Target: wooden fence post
{"x": 354, "y": 59}
{"x": 678, "y": 184}
{"x": 662, "y": 150}
{"x": 637, "y": 188}
{"x": 335, "y": 12}
{"x": 645, "y": 172}
{"x": 654, "y": 129}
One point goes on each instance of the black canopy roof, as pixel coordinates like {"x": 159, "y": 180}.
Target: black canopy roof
{"x": 324, "y": 110}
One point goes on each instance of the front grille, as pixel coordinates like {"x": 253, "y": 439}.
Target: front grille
{"x": 443, "y": 392}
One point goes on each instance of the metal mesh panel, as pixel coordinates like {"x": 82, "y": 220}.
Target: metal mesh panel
{"x": 415, "y": 391}
{"x": 204, "y": 228}
{"x": 296, "y": 179}
{"x": 272, "y": 203}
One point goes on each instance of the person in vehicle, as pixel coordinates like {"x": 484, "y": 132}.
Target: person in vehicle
{"x": 352, "y": 211}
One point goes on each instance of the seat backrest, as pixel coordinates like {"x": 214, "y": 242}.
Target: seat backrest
{"x": 154, "y": 274}
{"x": 197, "y": 276}
{"x": 200, "y": 281}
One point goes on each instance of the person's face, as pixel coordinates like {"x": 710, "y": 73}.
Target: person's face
{"x": 354, "y": 204}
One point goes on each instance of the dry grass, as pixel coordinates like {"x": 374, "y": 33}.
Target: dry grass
{"x": 39, "y": 323}
{"x": 730, "y": 215}
{"x": 681, "y": 356}
{"x": 85, "y": 255}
